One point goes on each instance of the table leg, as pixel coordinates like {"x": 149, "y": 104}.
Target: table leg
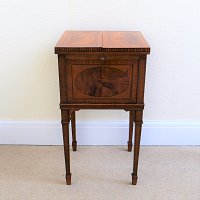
{"x": 65, "y": 128}
{"x": 73, "y": 125}
{"x": 131, "y": 119}
{"x": 138, "y": 129}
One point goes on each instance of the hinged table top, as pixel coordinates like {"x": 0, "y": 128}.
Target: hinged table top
{"x": 132, "y": 41}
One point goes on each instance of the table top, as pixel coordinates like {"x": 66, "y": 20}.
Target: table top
{"x": 102, "y": 40}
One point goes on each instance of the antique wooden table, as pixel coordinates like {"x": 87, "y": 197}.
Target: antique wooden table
{"x": 102, "y": 70}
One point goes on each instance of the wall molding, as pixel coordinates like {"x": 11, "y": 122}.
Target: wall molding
{"x": 100, "y": 132}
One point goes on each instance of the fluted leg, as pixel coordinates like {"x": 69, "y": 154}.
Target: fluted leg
{"x": 65, "y": 127}
{"x": 73, "y": 125}
{"x": 138, "y": 129}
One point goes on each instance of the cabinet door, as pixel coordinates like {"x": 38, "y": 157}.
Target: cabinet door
{"x": 91, "y": 80}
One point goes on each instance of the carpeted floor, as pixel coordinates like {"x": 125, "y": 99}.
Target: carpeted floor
{"x": 99, "y": 173}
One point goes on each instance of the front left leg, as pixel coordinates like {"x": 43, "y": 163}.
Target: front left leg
{"x": 138, "y": 129}
{"x": 65, "y": 128}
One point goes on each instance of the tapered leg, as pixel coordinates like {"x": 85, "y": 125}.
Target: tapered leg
{"x": 131, "y": 119}
{"x": 138, "y": 129}
{"x": 65, "y": 129}
{"x": 73, "y": 124}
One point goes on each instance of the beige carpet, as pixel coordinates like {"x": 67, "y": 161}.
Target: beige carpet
{"x": 99, "y": 173}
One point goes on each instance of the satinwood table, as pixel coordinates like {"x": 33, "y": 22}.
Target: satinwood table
{"x": 102, "y": 70}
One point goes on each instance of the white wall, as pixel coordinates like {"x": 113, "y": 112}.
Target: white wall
{"x": 28, "y": 66}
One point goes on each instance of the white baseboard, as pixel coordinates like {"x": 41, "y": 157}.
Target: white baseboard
{"x": 100, "y": 133}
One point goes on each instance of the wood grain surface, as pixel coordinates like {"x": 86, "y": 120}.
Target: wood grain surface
{"x": 102, "y": 81}
{"x": 102, "y": 41}
{"x": 124, "y": 39}
{"x": 80, "y": 39}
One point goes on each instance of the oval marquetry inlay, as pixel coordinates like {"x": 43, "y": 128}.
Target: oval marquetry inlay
{"x": 102, "y": 81}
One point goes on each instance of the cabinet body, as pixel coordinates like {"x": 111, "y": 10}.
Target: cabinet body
{"x": 102, "y": 78}
{"x": 94, "y": 78}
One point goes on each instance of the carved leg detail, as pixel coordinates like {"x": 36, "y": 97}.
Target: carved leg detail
{"x": 73, "y": 125}
{"x": 138, "y": 128}
{"x": 131, "y": 119}
{"x": 65, "y": 127}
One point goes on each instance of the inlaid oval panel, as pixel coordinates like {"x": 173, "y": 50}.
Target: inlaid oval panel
{"x": 102, "y": 81}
